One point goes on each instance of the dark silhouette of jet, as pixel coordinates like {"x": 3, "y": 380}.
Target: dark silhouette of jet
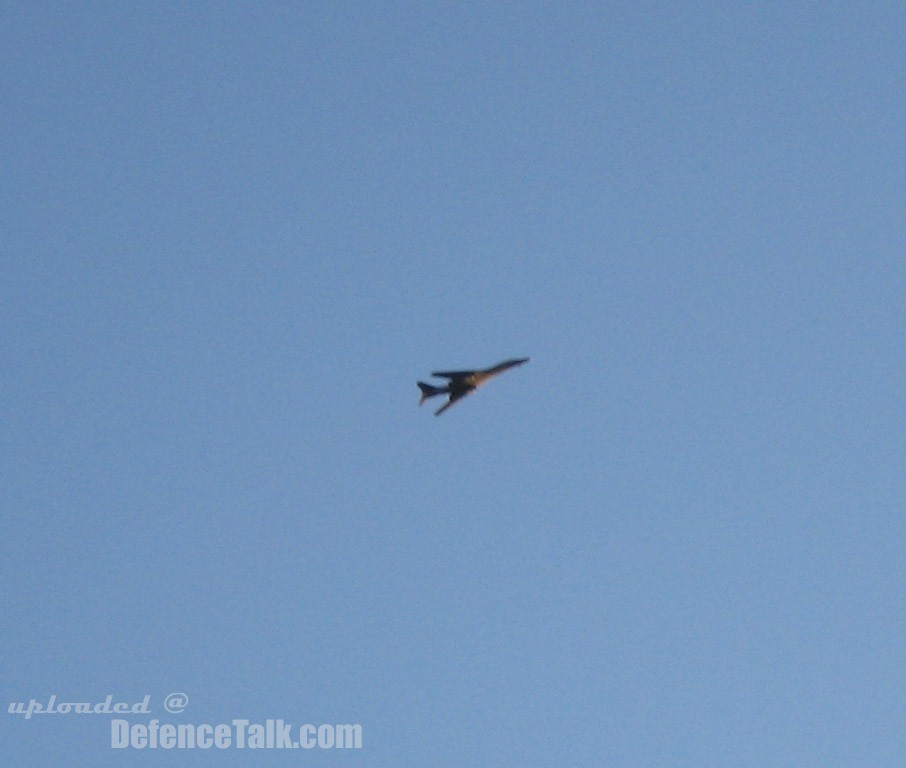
{"x": 462, "y": 383}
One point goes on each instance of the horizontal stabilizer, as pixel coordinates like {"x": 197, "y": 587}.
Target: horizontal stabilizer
{"x": 429, "y": 390}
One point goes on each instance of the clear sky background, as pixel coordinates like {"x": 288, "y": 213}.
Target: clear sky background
{"x": 235, "y": 234}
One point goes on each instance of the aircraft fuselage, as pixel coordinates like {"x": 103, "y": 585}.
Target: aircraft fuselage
{"x": 462, "y": 383}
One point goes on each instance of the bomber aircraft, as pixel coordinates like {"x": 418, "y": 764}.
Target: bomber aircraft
{"x": 462, "y": 383}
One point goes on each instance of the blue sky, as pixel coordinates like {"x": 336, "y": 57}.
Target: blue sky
{"x": 233, "y": 237}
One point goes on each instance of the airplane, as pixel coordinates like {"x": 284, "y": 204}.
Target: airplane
{"x": 462, "y": 383}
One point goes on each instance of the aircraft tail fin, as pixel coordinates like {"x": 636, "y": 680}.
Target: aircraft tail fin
{"x": 429, "y": 390}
